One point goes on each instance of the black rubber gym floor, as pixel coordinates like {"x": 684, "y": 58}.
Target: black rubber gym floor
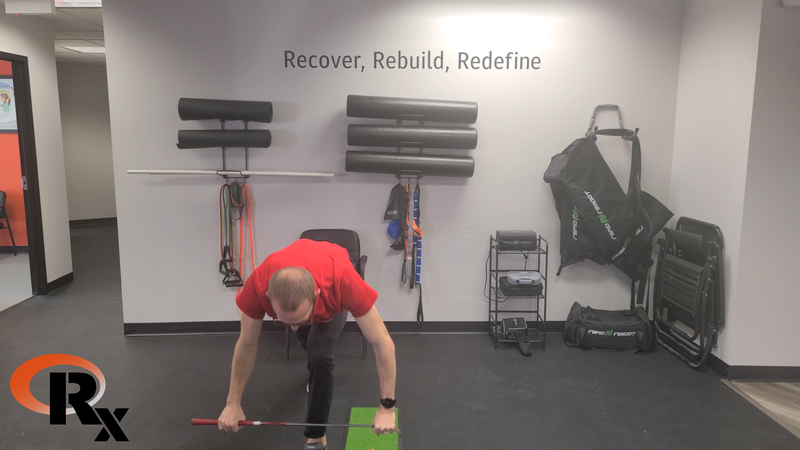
{"x": 456, "y": 391}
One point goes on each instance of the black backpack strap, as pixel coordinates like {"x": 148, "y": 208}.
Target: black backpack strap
{"x": 420, "y": 313}
{"x": 638, "y": 298}
{"x": 635, "y": 179}
{"x": 523, "y": 346}
{"x": 619, "y": 132}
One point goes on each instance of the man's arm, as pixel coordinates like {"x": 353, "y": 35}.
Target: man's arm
{"x": 244, "y": 358}
{"x": 375, "y": 331}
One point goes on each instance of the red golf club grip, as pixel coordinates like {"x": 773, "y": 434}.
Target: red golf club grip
{"x": 215, "y": 421}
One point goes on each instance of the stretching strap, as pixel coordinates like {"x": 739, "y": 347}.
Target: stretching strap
{"x": 246, "y": 199}
{"x": 409, "y": 248}
{"x": 418, "y": 254}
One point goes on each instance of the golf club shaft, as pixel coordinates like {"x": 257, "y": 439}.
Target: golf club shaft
{"x": 293, "y": 424}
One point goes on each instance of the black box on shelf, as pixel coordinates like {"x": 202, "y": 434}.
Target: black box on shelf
{"x": 516, "y": 240}
{"x": 510, "y": 289}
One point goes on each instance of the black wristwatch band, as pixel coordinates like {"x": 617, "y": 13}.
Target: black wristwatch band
{"x": 388, "y": 403}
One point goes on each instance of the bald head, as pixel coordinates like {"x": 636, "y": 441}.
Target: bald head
{"x": 289, "y": 287}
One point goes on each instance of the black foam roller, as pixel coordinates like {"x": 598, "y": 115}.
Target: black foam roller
{"x": 411, "y": 109}
{"x": 224, "y": 138}
{"x": 394, "y": 163}
{"x": 204, "y": 109}
{"x": 416, "y": 137}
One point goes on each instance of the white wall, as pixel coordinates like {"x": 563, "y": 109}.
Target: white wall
{"x": 624, "y": 52}
{"x": 761, "y": 323}
{"x": 719, "y": 49}
{"x": 33, "y": 37}
{"x": 86, "y": 129}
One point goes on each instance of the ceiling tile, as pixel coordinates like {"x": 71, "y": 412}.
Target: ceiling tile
{"x": 81, "y": 61}
{"x": 61, "y": 35}
{"x": 90, "y": 35}
{"x": 84, "y": 13}
{"x": 75, "y": 57}
{"x": 60, "y": 50}
{"x": 73, "y": 43}
{"x": 59, "y": 15}
{"x": 80, "y": 57}
{"x": 75, "y": 25}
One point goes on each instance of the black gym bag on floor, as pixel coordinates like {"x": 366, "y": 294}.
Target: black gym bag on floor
{"x": 628, "y": 330}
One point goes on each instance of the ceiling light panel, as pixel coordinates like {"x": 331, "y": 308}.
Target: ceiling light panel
{"x": 87, "y": 49}
{"x": 79, "y": 3}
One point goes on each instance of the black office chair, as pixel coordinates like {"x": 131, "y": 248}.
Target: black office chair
{"x": 4, "y": 215}
{"x": 348, "y": 240}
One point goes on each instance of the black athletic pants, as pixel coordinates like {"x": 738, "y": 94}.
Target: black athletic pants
{"x": 318, "y": 341}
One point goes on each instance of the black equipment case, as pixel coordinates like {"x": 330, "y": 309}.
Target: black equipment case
{"x": 517, "y": 240}
{"x": 510, "y": 289}
{"x": 629, "y": 330}
{"x": 517, "y": 328}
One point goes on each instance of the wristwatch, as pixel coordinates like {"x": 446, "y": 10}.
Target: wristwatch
{"x": 388, "y": 403}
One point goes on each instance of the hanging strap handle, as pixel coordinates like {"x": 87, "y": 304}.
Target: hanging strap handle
{"x": 523, "y": 346}
{"x": 642, "y": 297}
{"x": 593, "y": 129}
{"x": 635, "y": 180}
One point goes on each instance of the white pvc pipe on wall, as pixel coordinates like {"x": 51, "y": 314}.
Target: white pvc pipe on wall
{"x": 231, "y": 173}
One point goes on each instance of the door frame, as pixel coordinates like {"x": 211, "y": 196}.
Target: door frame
{"x": 27, "y": 154}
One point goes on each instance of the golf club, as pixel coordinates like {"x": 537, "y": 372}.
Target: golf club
{"x": 294, "y": 424}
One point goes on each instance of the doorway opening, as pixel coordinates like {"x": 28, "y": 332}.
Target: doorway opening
{"x": 22, "y": 267}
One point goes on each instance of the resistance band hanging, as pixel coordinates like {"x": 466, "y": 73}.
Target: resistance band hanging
{"x": 407, "y": 234}
{"x": 234, "y": 197}
{"x": 418, "y": 254}
{"x": 408, "y": 264}
{"x": 247, "y": 202}
{"x": 227, "y": 266}
{"x": 407, "y": 239}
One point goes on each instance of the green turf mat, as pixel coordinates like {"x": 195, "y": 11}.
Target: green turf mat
{"x": 364, "y": 438}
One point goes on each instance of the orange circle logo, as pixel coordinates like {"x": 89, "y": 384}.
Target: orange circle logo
{"x": 20, "y": 383}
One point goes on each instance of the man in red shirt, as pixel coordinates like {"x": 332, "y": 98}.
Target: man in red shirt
{"x": 311, "y": 286}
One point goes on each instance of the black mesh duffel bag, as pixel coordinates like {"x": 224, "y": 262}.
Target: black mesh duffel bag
{"x": 628, "y": 330}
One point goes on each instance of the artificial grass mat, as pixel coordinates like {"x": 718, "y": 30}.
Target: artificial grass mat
{"x": 364, "y": 438}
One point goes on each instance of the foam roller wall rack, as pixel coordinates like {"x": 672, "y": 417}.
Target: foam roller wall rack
{"x": 418, "y": 136}
{"x": 224, "y": 111}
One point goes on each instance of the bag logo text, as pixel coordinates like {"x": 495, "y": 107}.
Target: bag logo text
{"x": 575, "y": 216}
{"x": 607, "y": 333}
{"x": 600, "y": 215}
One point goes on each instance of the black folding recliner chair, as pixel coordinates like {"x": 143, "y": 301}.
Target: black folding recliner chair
{"x": 348, "y": 240}
{"x": 688, "y": 295}
{"x": 7, "y": 225}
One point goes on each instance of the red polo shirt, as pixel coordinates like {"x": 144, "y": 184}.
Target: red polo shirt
{"x": 341, "y": 288}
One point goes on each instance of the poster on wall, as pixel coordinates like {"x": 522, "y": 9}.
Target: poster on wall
{"x": 8, "y": 109}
